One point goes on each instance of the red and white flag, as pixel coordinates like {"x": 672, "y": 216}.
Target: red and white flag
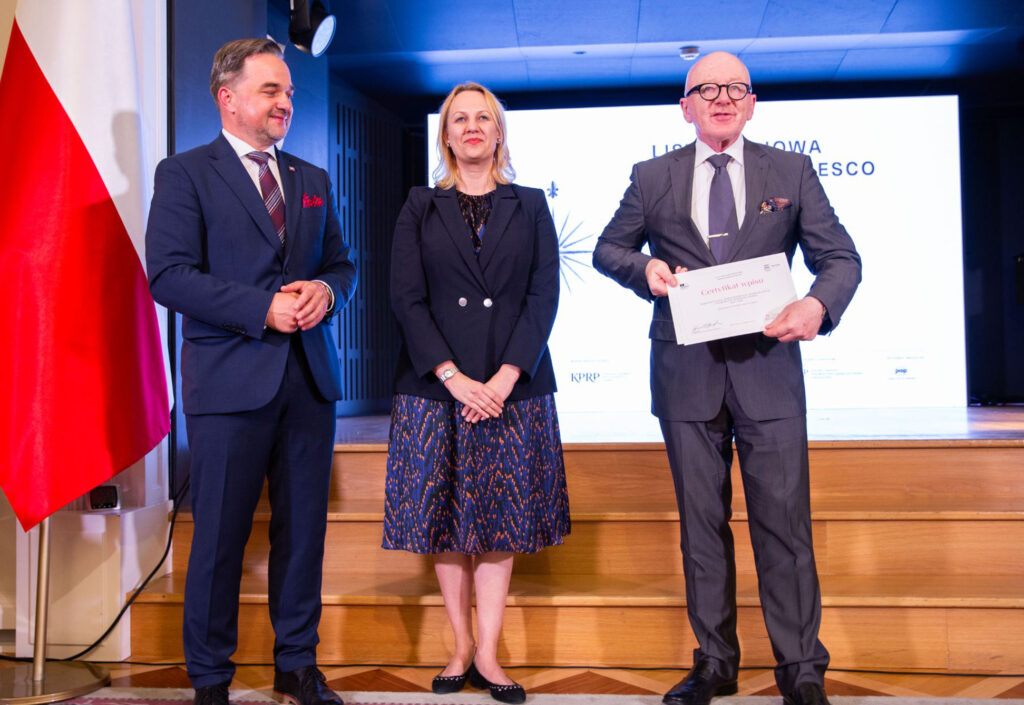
{"x": 83, "y": 391}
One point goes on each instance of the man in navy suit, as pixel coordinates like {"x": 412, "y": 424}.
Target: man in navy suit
{"x": 244, "y": 241}
{"x": 749, "y": 388}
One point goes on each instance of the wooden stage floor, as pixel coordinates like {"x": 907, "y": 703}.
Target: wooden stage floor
{"x": 927, "y": 429}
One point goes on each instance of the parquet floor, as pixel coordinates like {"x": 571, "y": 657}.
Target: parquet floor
{"x": 598, "y": 681}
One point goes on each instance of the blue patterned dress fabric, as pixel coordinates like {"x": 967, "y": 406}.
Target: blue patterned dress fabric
{"x": 494, "y": 485}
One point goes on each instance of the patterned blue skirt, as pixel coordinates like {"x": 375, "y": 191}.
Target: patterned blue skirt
{"x": 496, "y": 485}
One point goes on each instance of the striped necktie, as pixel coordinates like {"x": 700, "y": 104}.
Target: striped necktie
{"x": 272, "y": 198}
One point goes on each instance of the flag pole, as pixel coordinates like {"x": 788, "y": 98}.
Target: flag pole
{"x": 28, "y": 685}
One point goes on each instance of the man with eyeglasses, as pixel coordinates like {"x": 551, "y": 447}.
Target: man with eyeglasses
{"x": 724, "y": 199}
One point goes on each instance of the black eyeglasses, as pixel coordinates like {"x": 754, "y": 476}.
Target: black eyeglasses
{"x": 711, "y": 91}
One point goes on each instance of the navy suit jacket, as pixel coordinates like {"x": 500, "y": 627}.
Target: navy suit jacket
{"x": 688, "y": 381}
{"x": 213, "y": 255}
{"x": 481, "y": 312}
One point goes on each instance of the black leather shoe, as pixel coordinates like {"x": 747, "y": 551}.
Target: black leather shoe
{"x": 212, "y": 694}
{"x": 443, "y": 685}
{"x": 700, "y": 685}
{"x": 806, "y": 694}
{"x": 305, "y": 686}
{"x": 502, "y": 693}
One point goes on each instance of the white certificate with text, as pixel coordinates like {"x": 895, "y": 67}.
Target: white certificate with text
{"x": 730, "y": 299}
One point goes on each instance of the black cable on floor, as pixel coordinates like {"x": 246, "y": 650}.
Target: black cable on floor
{"x": 138, "y": 590}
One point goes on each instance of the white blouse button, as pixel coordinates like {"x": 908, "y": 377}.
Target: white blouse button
{"x": 463, "y": 301}
{"x": 488, "y": 303}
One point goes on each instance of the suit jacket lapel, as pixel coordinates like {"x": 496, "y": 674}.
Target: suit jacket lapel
{"x": 755, "y": 176}
{"x": 230, "y": 168}
{"x": 505, "y": 203}
{"x": 448, "y": 208}
{"x": 291, "y": 182}
{"x": 681, "y": 175}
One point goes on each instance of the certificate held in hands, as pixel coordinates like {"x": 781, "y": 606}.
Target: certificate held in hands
{"x": 730, "y": 299}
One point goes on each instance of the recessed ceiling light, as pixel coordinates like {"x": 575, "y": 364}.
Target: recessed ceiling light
{"x": 579, "y": 52}
{"x": 689, "y": 53}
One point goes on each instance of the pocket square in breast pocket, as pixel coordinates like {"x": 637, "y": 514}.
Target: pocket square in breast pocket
{"x": 774, "y": 205}
{"x": 313, "y": 201}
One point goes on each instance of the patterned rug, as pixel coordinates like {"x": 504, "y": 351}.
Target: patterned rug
{"x": 183, "y": 696}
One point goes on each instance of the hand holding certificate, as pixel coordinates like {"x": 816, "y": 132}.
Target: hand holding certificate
{"x": 730, "y": 299}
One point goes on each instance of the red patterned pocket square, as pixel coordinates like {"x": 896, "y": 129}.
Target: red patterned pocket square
{"x": 773, "y": 205}
{"x": 311, "y": 201}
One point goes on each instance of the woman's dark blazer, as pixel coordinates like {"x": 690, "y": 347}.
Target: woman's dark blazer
{"x": 479, "y": 311}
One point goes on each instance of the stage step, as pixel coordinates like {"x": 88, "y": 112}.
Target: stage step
{"x": 849, "y": 542}
{"x": 918, "y": 548}
{"x": 637, "y": 590}
{"x": 636, "y": 477}
{"x": 929, "y": 622}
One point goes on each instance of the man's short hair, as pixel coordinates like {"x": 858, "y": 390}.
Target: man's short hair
{"x": 230, "y": 59}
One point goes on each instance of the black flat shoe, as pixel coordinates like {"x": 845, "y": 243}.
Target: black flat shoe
{"x": 513, "y": 693}
{"x": 443, "y": 685}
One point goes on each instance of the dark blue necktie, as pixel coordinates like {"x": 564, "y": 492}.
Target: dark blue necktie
{"x": 721, "y": 209}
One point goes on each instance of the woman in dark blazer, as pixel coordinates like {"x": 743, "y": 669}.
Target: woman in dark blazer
{"x": 475, "y": 472}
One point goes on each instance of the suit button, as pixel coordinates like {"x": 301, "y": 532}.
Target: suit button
{"x": 462, "y": 301}
{"x": 488, "y": 303}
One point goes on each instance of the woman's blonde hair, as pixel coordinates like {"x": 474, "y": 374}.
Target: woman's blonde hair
{"x": 447, "y": 170}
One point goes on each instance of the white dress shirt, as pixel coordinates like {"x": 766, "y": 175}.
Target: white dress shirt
{"x": 703, "y": 172}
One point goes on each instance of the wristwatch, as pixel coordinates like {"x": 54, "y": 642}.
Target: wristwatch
{"x": 446, "y": 374}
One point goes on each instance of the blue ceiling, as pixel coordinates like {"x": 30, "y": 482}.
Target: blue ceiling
{"x": 423, "y": 47}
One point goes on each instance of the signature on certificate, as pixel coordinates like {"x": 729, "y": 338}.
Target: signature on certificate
{"x": 706, "y": 327}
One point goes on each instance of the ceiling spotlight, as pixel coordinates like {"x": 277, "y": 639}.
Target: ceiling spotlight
{"x": 311, "y": 26}
{"x": 689, "y": 53}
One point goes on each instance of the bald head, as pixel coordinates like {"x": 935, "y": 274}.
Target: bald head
{"x": 716, "y": 64}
